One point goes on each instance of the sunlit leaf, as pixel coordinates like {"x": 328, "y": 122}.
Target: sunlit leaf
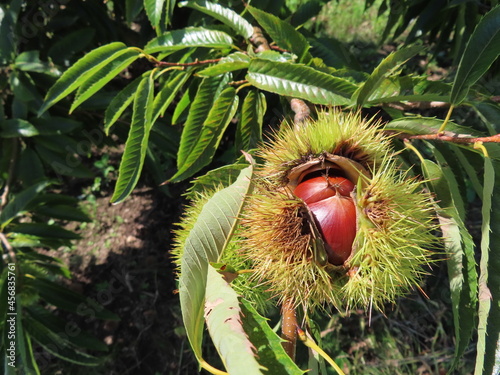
{"x": 204, "y": 147}
{"x": 481, "y": 51}
{"x": 249, "y": 130}
{"x": 79, "y": 72}
{"x": 119, "y": 103}
{"x": 387, "y": 67}
{"x": 17, "y": 127}
{"x": 199, "y": 109}
{"x": 167, "y": 94}
{"x": 426, "y": 125}
{"x": 223, "y": 317}
{"x": 270, "y": 352}
{"x": 189, "y": 37}
{"x": 225, "y": 15}
{"x": 299, "y": 81}
{"x": 154, "y": 9}
{"x": 235, "y": 61}
{"x": 205, "y": 243}
{"x": 137, "y": 141}
{"x": 106, "y": 73}
{"x": 283, "y": 34}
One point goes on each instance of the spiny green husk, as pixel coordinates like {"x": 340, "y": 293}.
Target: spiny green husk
{"x": 394, "y": 220}
{"x": 243, "y": 284}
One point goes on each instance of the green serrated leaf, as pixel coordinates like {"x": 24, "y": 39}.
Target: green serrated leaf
{"x": 167, "y": 94}
{"x": 427, "y": 125}
{"x": 19, "y": 202}
{"x": 154, "y": 9}
{"x": 200, "y": 107}
{"x": 283, "y": 34}
{"x": 235, "y": 61}
{"x": 481, "y": 51}
{"x": 249, "y": 129}
{"x": 79, "y": 72}
{"x": 270, "y": 352}
{"x": 387, "y": 67}
{"x": 120, "y": 102}
{"x": 459, "y": 248}
{"x": 300, "y": 81}
{"x": 169, "y": 6}
{"x": 215, "y": 179}
{"x": 119, "y": 61}
{"x": 137, "y": 141}
{"x": 485, "y": 295}
{"x": 223, "y": 318}
{"x": 189, "y": 37}
{"x": 208, "y": 139}
{"x": 205, "y": 243}
{"x": 225, "y": 15}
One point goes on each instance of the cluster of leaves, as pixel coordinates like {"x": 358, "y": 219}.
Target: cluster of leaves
{"x": 37, "y": 154}
{"x": 219, "y": 78}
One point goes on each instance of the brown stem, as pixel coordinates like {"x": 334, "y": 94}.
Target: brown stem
{"x": 289, "y": 328}
{"x": 259, "y": 40}
{"x": 454, "y": 138}
{"x": 197, "y": 62}
{"x": 8, "y": 247}
{"x": 10, "y": 174}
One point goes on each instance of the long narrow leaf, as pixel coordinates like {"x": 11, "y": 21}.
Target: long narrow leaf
{"x": 481, "y": 51}
{"x": 283, "y": 34}
{"x": 425, "y": 125}
{"x": 383, "y": 70}
{"x": 189, "y": 37}
{"x": 79, "y": 72}
{"x": 249, "y": 130}
{"x": 106, "y": 73}
{"x": 200, "y": 107}
{"x": 167, "y": 94}
{"x": 235, "y": 61}
{"x": 270, "y": 353}
{"x": 119, "y": 103}
{"x": 492, "y": 333}
{"x": 484, "y": 291}
{"x": 137, "y": 141}
{"x": 207, "y": 240}
{"x": 154, "y": 9}
{"x": 459, "y": 248}
{"x": 208, "y": 140}
{"x": 225, "y": 15}
{"x": 223, "y": 318}
{"x": 300, "y": 81}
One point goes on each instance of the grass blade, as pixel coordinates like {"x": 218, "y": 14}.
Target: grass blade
{"x": 137, "y": 141}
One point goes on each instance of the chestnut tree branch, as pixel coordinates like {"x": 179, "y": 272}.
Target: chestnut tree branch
{"x": 289, "y": 328}
{"x": 453, "y": 138}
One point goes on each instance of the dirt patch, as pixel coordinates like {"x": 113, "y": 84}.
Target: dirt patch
{"x": 123, "y": 262}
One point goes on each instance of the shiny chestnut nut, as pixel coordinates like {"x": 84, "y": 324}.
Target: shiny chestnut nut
{"x": 329, "y": 200}
{"x": 322, "y": 187}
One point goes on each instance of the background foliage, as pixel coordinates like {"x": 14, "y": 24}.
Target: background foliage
{"x": 185, "y": 86}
